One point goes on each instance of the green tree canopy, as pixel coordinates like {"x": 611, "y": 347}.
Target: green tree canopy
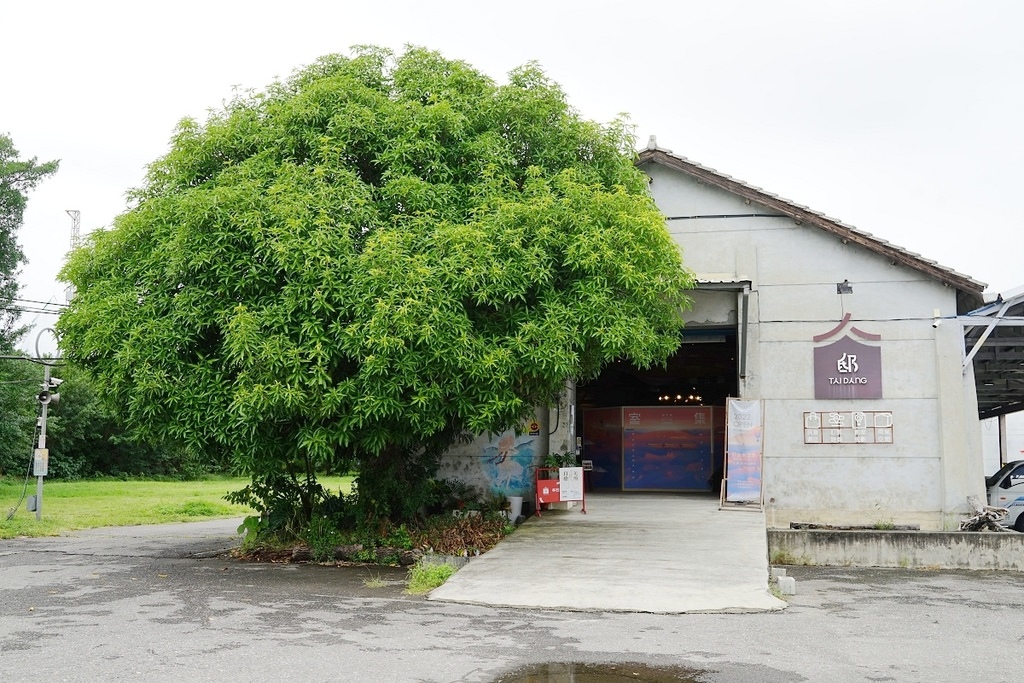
{"x": 17, "y": 178}
{"x": 368, "y": 260}
{"x": 19, "y": 387}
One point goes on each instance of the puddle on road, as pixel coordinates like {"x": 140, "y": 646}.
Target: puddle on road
{"x": 573, "y": 672}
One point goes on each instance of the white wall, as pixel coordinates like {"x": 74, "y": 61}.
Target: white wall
{"x": 499, "y": 463}
{"x": 1014, "y": 440}
{"x": 935, "y": 460}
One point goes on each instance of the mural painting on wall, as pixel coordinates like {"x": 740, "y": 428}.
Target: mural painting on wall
{"x": 508, "y": 463}
{"x": 847, "y": 368}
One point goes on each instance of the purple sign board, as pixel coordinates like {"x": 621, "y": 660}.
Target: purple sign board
{"x": 847, "y": 369}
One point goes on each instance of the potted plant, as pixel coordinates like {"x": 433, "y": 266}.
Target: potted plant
{"x": 564, "y": 459}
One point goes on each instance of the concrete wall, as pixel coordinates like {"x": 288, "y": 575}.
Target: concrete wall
{"x": 500, "y": 463}
{"x": 908, "y": 549}
{"x": 562, "y": 419}
{"x": 505, "y": 463}
{"x": 935, "y": 462}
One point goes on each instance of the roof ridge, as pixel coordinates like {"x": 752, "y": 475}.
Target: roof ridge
{"x": 799, "y": 212}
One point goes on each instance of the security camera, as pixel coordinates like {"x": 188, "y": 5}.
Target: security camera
{"x": 936, "y": 322}
{"x": 56, "y": 381}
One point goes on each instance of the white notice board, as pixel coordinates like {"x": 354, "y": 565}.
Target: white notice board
{"x": 570, "y": 483}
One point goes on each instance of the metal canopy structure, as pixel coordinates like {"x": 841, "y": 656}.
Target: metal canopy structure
{"x": 994, "y": 343}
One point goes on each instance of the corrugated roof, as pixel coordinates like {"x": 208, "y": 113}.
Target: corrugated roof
{"x": 802, "y": 214}
{"x": 994, "y": 335}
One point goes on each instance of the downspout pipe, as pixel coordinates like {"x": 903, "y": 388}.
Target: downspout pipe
{"x": 745, "y": 313}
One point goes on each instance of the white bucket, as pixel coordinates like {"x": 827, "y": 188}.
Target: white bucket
{"x": 515, "y": 507}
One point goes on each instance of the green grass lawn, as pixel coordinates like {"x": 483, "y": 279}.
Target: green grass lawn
{"x": 70, "y": 505}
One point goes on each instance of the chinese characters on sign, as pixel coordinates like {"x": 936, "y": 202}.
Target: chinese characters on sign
{"x": 570, "y": 483}
{"x": 847, "y": 363}
{"x": 848, "y": 426}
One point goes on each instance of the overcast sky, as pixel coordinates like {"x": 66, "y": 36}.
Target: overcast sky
{"x": 902, "y": 118}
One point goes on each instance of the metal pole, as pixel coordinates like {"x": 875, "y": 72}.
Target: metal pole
{"x": 1003, "y": 459}
{"x": 42, "y": 445}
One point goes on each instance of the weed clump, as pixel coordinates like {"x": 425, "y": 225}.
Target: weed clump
{"x": 424, "y": 578}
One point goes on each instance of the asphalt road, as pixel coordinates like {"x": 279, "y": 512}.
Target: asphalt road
{"x": 165, "y": 603}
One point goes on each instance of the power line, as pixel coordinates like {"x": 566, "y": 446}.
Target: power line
{"x": 23, "y": 309}
{"x": 41, "y": 361}
{"x": 36, "y": 301}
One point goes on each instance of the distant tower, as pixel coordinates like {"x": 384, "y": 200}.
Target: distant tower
{"x": 76, "y": 225}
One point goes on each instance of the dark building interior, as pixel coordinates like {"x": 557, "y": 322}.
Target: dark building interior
{"x": 701, "y": 372}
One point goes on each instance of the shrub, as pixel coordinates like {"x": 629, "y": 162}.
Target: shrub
{"x": 322, "y": 537}
{"x": 424, "y": 578}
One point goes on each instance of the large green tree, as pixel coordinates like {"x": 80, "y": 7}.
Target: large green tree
{"x": 17, "y": 178}
{"x": 368, "y": 260}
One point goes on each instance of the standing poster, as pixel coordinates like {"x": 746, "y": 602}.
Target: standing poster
{"x": 743, "y": 451}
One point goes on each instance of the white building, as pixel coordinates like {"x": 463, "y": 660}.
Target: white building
{"x": 852, "y": 345}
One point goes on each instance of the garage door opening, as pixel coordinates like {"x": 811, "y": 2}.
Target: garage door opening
{"x": 661, "y": 429}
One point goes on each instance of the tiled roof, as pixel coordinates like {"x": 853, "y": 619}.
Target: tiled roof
{"x": 803, "y": 214}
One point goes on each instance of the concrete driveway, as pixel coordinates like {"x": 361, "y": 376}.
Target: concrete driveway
{"x": 658, "y": 553}
{"x": 159, "y": 604}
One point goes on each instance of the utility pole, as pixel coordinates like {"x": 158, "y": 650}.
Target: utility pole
{"x": 41, "y": 459}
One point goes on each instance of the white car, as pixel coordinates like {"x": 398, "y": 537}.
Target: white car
{"x": 1006, "y": 490}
